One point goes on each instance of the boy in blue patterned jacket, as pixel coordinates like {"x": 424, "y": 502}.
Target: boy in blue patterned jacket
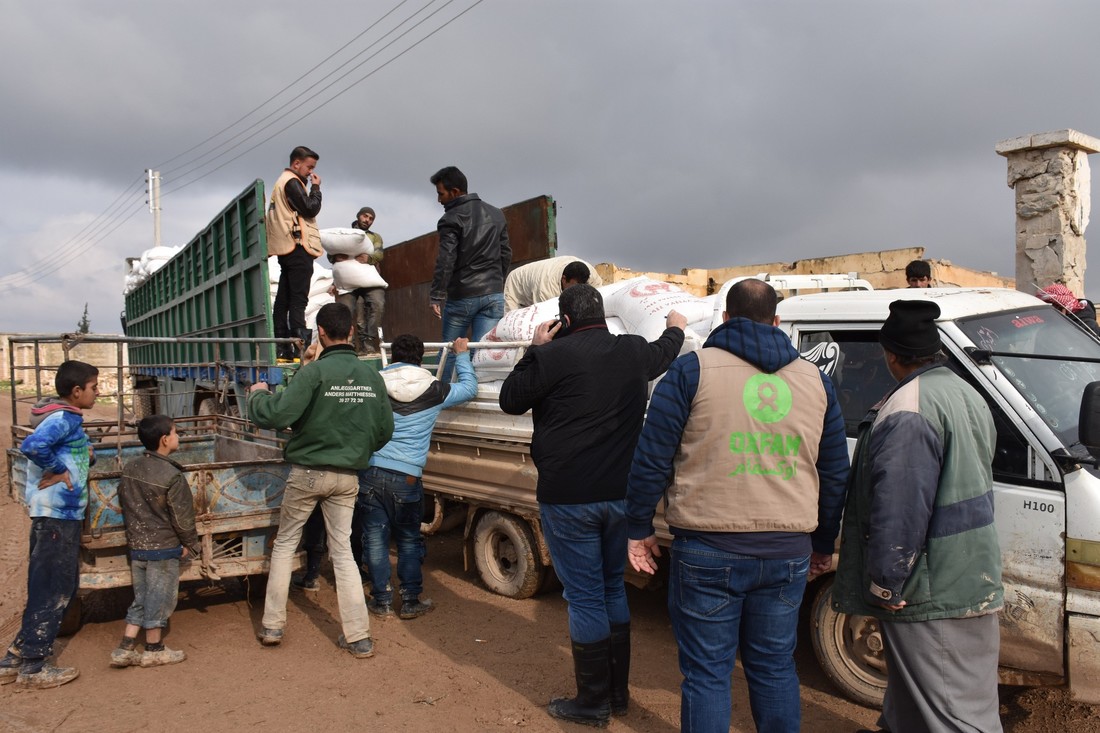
{"x": 56, "y": 496}
{"x": 391, "y": 490}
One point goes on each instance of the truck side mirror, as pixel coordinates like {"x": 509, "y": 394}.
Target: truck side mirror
{"x": 1089, "y": 423}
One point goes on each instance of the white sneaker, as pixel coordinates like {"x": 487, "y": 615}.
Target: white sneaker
{"x": 125, "y": 657}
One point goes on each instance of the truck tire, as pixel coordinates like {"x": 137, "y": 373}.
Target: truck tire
{"x": 504, "y": 553}
{"x": 73, "y": 618}
{"x": 145, "y": 402}
{"x": 849, "y": 649}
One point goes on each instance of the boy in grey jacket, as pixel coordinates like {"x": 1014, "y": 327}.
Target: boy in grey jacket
{"x": 159, "y": 512}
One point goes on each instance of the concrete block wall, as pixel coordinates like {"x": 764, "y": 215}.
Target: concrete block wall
{"x": 885, "y": 269}
{"x": 102, "y": 355}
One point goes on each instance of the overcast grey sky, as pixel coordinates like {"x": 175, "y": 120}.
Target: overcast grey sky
{"x": 688, "y": 134}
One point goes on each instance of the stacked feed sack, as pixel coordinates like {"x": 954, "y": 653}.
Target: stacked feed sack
{"x": 349, "y": 250}
{"x": 142, "y": 267}
{"x": 638, "y": 306}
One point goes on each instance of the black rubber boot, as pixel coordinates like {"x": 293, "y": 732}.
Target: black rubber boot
{"x": 620, "y": 668}
{"x": 592, "y": 705}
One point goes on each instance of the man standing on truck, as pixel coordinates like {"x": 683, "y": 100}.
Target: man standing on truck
{"x": 474, "y": 257}
{"x": 587, "y": 391}
{"x": 367, "y": 305}
{"x": 328, "y": 400}
{"x": 919, "y": 549}
{"x": 292, "y": 236}
{"x": 745, "y": 439}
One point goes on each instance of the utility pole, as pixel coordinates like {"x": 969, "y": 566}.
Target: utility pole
{"x": 152, "y": 189}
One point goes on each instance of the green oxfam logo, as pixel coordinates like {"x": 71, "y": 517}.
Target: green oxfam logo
{"x": 767, "y": 398}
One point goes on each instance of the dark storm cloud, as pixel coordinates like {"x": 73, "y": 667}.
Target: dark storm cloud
{"x": 671, "y": 134}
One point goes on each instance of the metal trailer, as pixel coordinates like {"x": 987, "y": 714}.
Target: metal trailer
{"x": 236, "y": 471}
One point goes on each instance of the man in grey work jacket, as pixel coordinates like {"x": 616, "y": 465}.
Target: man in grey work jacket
{"x": 919, "y": 549}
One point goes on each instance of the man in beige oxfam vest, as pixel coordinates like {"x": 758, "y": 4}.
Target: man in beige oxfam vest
{"x": 292, "y": 236}
{"x": 746, "y": 440}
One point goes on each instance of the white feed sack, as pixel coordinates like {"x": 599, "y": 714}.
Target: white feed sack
{"x": 150, "y": 261}
{"x": 642, "y": 305}
{"x": 319, "y": 286}
{"x": 346, "y": 241}
{"x": 638, "y": 306}
{"x": 352, "y": 274}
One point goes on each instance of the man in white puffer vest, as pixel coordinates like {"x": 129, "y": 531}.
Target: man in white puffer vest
{"x": 391, "y": 493}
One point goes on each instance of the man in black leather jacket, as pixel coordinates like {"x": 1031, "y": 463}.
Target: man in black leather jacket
{"x": 473, "y": 261}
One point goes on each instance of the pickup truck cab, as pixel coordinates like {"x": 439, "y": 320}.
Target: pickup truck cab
{"x": 1032, "y": 365}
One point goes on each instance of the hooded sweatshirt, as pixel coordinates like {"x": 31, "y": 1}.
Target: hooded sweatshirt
{"x": 417, "y": 398}
{"x": 58, "y": 444}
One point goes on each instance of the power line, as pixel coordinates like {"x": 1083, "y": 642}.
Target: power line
{"x": 110, "y": 216}
{"x": 334, "y": 97}
{"x": 18, "y": 280}
{"x": 281, "y": 113}
{"x": 67, "y": 250}
{"x": 230, "y": 126}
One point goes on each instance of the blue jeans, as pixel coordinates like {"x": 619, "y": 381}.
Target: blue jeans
{"x": 53, "y": 573}
{"x": 478, "y": 315}
{"x": 392, "y": 505}
{"x": 156, "y": 587}
{"x": 588, "y": 546}
{"x": 719, "y": 601}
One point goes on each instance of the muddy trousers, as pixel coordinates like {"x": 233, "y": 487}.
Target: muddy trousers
{"x": 942, "y": 676}
{"x": 53, "y": 572}
{"x": 335, "y": 491}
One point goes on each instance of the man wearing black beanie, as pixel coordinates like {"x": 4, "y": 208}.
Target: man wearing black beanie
{"x": 919, "y": 549}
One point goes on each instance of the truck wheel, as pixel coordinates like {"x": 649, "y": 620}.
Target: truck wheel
{"x": 850, "y": 649}
{"x": 504, "y": 553}
{"x": 73, "y": 618}
{"x": 145, "y": 402}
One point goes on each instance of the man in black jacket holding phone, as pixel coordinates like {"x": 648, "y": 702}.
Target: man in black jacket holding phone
{"x": 587, "y": 391}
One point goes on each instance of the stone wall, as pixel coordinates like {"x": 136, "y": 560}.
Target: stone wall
{"x": 885, "y": 269}
{"x": 102, "y": 355}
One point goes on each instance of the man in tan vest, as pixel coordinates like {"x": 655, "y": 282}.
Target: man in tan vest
{"x": 293, "y": 237}
{"x": 746, "y": 440}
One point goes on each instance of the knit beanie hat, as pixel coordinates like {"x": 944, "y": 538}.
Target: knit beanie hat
{"x": 365, "y": 210}
{"x": 910, "y": 329}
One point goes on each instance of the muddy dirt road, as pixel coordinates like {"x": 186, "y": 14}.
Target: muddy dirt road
{"x": 480, "y": 662}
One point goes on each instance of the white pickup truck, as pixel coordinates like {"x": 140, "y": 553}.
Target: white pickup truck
{"x": 1031, "y": 364}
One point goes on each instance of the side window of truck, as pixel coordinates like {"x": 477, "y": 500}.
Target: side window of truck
{"x": 1011, "y": 457}
{"x": 853, "y": 360}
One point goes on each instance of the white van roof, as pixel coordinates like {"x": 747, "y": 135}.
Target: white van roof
{"x": 874, "y": 305}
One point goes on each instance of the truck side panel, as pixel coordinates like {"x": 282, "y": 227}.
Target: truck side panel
{"x": 217, "y": 286}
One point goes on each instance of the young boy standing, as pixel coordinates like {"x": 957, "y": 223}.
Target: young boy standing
{"x": 159, "y": 512}
{"x": 56, "y": 495}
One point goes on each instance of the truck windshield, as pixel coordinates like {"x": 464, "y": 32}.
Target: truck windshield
{"x": 1052, "y": 387}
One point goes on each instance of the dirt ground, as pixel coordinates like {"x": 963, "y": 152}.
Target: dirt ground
{"x": 480, "y": 662}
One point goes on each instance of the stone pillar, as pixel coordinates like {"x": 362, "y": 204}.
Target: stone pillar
{"x": 1050, "y": 174}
